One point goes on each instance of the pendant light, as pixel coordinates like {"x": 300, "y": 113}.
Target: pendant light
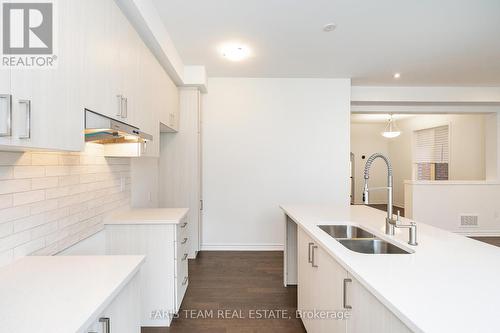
{"x": 391, "y": 129}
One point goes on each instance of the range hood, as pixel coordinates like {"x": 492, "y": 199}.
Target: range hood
{"x": 105, "y": 130}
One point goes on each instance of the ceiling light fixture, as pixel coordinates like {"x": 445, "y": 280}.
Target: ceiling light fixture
{"x": 391, "y": 129}
{"x": 235, "y": 51}
{"x": 329, "y": 27}
{"x": 397, "y": 75}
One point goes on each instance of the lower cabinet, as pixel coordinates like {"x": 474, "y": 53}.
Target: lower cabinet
{"x": 123, "y": 314}
{"x": 164, "y": 278}
{"x": 327, "y": 293}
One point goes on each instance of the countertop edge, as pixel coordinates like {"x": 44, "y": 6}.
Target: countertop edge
{"x": 113, "y": 294}
{"x": 114, "y": 220}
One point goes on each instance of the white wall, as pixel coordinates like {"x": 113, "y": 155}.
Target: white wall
{"x": 267, "y": 142}
{"x": 467, "y": 148}
{"x": 366, "y": 140}
{"x": 145, "y": 182}
{"x": 442, "y": 204}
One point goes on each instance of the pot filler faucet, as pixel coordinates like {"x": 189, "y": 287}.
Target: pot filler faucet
{"x": 390, "y": 223}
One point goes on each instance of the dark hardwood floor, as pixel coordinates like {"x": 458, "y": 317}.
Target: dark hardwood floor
{"x": 241, "y": 282}
{"x": 490, "y": 240}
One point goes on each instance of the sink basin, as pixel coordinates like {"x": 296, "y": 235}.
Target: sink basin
{"x": 346, "y": 231}
{"x": 359, "y": 240}
{"x": 372, "y": 246}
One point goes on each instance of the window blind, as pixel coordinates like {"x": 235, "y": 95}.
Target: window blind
{"x": 431, "y": 145}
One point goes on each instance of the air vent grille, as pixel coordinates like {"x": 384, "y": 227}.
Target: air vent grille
{"x": 469, "y": 221}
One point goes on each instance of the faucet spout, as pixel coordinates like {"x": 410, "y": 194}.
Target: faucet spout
{"x": 389, "y": 223}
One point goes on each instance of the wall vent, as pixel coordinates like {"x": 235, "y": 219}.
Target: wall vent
{"x": 469, "y": 221}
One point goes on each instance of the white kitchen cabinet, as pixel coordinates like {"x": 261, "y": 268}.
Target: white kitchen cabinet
{"x": 5, "y": 106}
{"x": 99, "y": 67}
{"x": 324, "y": 285}
{"x": 123, "y": 314}
{"x": 180, "y": 165}
{"x": 165, "y": 272}
{"x": 368, "y": 314}
{"x": 320, "y": 287}
{"x": 47, "y": 111}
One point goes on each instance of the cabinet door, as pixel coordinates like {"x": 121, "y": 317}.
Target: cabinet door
{"x": 329, "y": 285}
{"x": 99, "y": 59}
{"x": 368, "y": 314}
{"x": 47, "y": 109}
{"x": 5, "y": 106}
{"x": 305, "y": 281}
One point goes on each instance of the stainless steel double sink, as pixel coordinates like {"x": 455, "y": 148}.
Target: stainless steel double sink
{"x": 359, "y": 240}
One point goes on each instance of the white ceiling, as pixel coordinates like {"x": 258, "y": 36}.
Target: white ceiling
{"x": 431, "y": 42}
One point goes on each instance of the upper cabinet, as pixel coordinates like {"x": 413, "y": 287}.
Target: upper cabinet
{"x": 102, "y": 65}
{"x": 45, "y": 109}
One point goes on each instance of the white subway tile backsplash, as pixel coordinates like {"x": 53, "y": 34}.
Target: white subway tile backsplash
{"x": 6, "y": 172}
{"x": 44, "y": 159}
{"x": 6, "y": 201}
{"x": 28, "y": 222}
{"x": 70, "y": 180}
{"x": 44, "y": 183}
{"x": 14, "y": 240}
{"x": 24, "y": 198}
{"x": 59, "y": 170}
{"x": 43, "y": 206}
{"x": 56, "y": 192}
{"x": 50, "y": 200}
{"x": 14, "y": 213}
{"x": 14, "y": 158}
{"x": 29, "y": 171}
{"x": 15, "y": 185}
{"x": 30, "y": 247}
{"x": 43, "y": 230}
{"x": 69, "y": 160}
{"x": 6, "y": 229}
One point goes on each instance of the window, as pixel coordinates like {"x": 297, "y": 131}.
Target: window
{"x": 432, "y": 153}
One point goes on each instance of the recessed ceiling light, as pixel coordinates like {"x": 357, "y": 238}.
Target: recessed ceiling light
{"x": 235, "y": 51}
{"x": 397, "y": 75}
{"x": 329, "y": 27}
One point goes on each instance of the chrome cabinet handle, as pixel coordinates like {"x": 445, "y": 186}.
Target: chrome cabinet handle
{"x": 8, "y": 121}
{"x": 185, "y": 281}
{"x": 309, "y": 253}
{"x": 120, "y": 106}
{"x": 346, "y": 306}
{"x": 27, "y": 104}
{"x": 106, "y": 324}
{"x": 313, "y": 262}
{"x": 184, "y": 225}
{"x": 185, "y": 257}
{"x": 125, "y": 108}
{"x": 184, "y": 241}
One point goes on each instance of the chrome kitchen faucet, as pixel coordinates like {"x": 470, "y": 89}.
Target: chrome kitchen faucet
{"x": 390, "y": 223}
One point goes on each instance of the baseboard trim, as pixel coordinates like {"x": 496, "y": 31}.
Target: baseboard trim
{"x": 242, "y": 247}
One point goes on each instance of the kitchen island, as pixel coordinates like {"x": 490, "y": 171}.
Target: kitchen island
{"x": 434, "y": 288}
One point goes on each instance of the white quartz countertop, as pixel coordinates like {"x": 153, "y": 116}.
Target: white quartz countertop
{"x": 449, "y": 284}
{"x": 60, "y": 294}
{"x": 148, "y": 216}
